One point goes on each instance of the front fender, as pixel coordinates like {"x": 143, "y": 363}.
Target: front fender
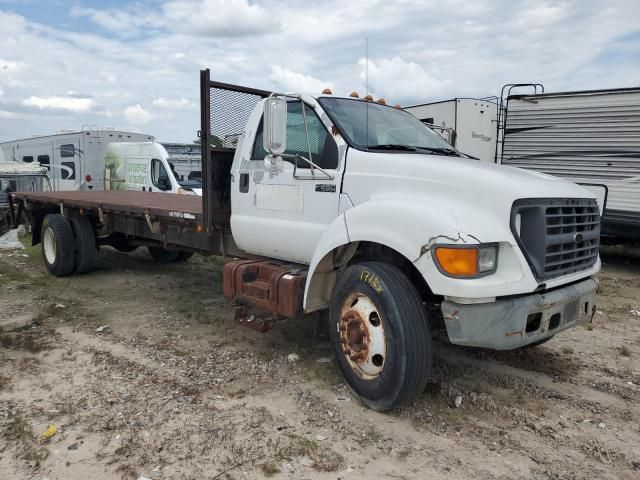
{"x": 409, "y": 226}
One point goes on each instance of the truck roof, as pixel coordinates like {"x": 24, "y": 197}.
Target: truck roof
{"x": 19, "y": 168}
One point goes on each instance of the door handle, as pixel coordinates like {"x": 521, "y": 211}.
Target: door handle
{"x": 244, "y": 183}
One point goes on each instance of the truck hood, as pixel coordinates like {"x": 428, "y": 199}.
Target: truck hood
{"x": 448, "y": 177}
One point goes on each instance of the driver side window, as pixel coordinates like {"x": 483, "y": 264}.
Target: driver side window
{"x": 324, "y": 150}
{"x": 159, "y": 175}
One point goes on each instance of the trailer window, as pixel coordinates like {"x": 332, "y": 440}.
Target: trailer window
{"x": 68, "y": 150}
{"x": 44, "y": 160}
{"x": 27, "y": 159}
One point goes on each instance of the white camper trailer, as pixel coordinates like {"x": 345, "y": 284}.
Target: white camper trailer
{"x": 468, "y": 124}
{"x": 75, "y": 159}
{"x": 589, "y": 137}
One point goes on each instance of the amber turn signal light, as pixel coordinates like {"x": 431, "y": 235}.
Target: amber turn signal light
{"x": 458, "y": 261}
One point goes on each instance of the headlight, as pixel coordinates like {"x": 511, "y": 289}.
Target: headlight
{"x": 466, "y": 261}
{"x": 185, "y": 191}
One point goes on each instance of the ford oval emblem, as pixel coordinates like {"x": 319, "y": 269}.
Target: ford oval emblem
{"x": 578, "y": 237}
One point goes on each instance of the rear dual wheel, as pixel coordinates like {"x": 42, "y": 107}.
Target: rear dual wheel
{"x": 68, "y": 246}
{"x": 381, "y": 335}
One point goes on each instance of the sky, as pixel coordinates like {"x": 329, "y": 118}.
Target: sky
{"x": 134, "y": 65}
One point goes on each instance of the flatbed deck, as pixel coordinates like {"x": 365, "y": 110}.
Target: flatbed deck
{"x": 125, "y": 201}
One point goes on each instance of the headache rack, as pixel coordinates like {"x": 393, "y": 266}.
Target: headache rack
{"x": 224, "y": 111}
{"x": 558, "y": 236}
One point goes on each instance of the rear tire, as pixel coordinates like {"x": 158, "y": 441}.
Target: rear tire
{"x": 381, "y": 335}
{"x": 161, "y": 255}
{"x": 86, "y": 251}
{"x": 58, "y": 245}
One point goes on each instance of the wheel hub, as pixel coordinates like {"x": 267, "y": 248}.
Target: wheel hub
{"x": 362, "y": 336}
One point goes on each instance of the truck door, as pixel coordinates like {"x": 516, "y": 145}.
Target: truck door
{"x": 66, "y": 164}
{"x": 280, "y": 213}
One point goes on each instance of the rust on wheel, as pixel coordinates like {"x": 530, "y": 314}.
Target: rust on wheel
{"x": 362, "y": 338}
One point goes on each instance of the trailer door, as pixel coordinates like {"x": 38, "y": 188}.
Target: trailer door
{"x": 66, "y": 164}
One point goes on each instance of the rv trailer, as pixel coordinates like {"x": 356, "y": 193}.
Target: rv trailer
{"x": 589, "y": 137}
{"x": 75, "y": 159}
{"x": 468, "y": 124}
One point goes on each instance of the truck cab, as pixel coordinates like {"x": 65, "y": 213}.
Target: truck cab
{"x": 387, "y": 218}
{"x": 18, "y": 177}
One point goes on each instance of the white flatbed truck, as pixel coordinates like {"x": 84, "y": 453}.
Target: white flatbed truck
{"x": 356, "y": 209}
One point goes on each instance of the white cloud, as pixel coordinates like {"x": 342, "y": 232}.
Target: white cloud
{"x": 10, "y": 71}
{"x": 129, "y": 22}
{"x": 5, "y": 114}
{"x": 148, "y": 53}
{"x": 71, "y": 103}
{"x": 137, "y": 115}
{"x": 173, "y": 104}
{"x": 397, "y": 80}
{"x": 291, "y": 81}
{"x": 224, "y": 18}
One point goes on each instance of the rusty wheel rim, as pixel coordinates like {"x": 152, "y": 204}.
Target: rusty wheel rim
{"x": 362, "y": 337}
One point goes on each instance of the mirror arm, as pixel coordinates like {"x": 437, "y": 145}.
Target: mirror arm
{"x": 311, "y": 164}
{"x": 306, "y": 131}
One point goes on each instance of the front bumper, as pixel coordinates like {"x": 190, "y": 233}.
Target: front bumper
{"x": 514, "y": 322}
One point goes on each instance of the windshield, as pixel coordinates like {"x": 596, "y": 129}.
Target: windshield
{"x": 369, "y": 125}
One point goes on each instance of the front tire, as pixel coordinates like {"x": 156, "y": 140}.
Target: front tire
{"x": 381, "y": 335}
{"x": 58, "y": 245}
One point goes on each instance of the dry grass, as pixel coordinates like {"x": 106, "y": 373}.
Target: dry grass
{"x": 624, "y": 351}
{"x": 18, "y": 431}
{"x": 269, "y": 468}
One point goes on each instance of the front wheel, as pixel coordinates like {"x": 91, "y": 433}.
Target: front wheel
{"x": 381, "y": 335}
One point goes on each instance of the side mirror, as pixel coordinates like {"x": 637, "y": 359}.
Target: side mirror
{"x": 275, "y": 126}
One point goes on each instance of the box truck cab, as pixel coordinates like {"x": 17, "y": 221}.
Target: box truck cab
{"x": 143, "y": 166}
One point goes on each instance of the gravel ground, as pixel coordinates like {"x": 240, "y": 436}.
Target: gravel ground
{"x": 139, "y": 370}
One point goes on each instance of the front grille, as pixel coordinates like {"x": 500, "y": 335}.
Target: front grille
{"x": 557, "y": 235}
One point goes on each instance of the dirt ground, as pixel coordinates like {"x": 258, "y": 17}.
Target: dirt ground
{"x": 173, "y": 388}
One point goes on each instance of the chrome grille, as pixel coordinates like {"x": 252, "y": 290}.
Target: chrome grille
{"x": 558, "y": 236}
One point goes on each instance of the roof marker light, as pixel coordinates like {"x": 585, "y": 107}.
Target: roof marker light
{"x": 354, "y": 95}
{"x": 381, "y": 101}
{"x": 369, "y": 98}
{"x": 327, "y": 91}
